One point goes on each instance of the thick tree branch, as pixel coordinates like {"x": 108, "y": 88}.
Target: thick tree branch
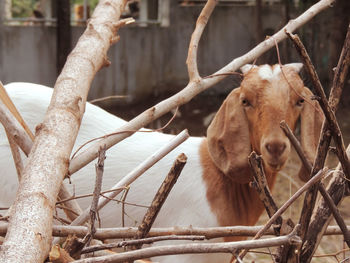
{"x": 29, "y": 234}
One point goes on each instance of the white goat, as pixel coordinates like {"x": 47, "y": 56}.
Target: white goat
{"x": 213, "y": 188}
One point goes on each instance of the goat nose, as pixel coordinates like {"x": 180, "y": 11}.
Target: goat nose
{"x": 275, "y": 148}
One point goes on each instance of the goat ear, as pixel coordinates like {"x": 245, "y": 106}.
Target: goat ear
{"x": 228, "y": 139}
{"x": 246, "y": 68}
{"x": 311, "y": 122}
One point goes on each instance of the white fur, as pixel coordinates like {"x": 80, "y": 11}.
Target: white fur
{"x": 247, "y": 67}
{"x": 268, "y": 72}
{"x": 186, "y": 205}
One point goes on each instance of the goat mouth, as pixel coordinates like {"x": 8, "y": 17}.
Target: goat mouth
{"x": 275, "y": 166}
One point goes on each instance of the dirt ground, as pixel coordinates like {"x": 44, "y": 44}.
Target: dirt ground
{"x": 197, "y": 114}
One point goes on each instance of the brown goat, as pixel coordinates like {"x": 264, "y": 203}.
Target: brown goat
{"x": 248, "y": 120}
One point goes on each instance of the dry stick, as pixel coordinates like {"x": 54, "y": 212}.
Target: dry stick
{"x": 310, "y": 198}
{"x": 260, "y": 184}
{"x": 129, "y": 232}
{"x": 265, "y": 196}
{"x": 196, "y": 35}
{"x": 327, "y": 110}
{"x": 226, "y": 247}
{"x": 97, "y": 190}
{"x": 194, "y": 88}
{"x": 134, "y": 174}
{"x": 322, "y": 216}
{"x": 338, "y": 183}
{"x": 6, "y": 100}
{"x": 285, "y": 206}
{"x": 340, "y": 221}
{"x": 149, "y": 240}
{"x": 15, "y": 154}
{"x": 16, "y": 131}
{"x": 160, "y": 197}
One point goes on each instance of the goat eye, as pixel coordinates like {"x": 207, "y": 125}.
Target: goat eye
{"x": 245, "y": 102}
{"x": 300, "y": 102}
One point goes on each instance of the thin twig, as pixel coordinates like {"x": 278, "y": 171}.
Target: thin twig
{"x": 97, "y": 190}
{"x": 129, "y": 232}
{"x": 262, "y": 187}
{"x": 125, "y": 193}
{"x": 196, "y": 35}
{"x": 149, "y": 240}
{"x": 284, "y": 207}
{"x": 332, "y": 126}
{"x": 125, "y": 131}
{"x": 138, "y": 171}
{"x": 334, "y": 98}
{"x": 328, "y": 112}
{"x": 107, "y": 98}
{"x": 340, "y": 221}
{"x": 15, "y": 154}
{"x": 161, "y": 196}
{"x": 87, "y": 195}
{"x": 226, "y": 247}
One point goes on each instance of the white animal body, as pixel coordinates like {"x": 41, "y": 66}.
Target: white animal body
{"x": 32, "y": 101}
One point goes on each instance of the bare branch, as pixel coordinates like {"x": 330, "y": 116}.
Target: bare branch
{"x": 284, "y": 207}
{"x": 134, "y": 174}
{"x": 138, "y": 242}
{"x": 15, "y": 154}
{"x": 16, "y": 131}
{"x": 322, "y": 216}
{"x": 161, "y": 196}
{"x": 330, "y": 115}
{"x": 262, "y": 187}
{"x": 99, "y": 167}
{"x": 129, "y": 232}
{"x": 336, "y": 187}
{"x": 226, "y": 247}
{"x": 196, "y": 35}
{"x": 340, "y": 221}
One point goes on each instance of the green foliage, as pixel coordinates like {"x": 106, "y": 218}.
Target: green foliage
{"x": 91, "y": 3}
{"x": 23, "y": 8}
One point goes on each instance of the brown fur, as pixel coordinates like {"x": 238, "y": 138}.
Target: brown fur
{"x": 249, "y": 120}
{"x": 232, "y": 203}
